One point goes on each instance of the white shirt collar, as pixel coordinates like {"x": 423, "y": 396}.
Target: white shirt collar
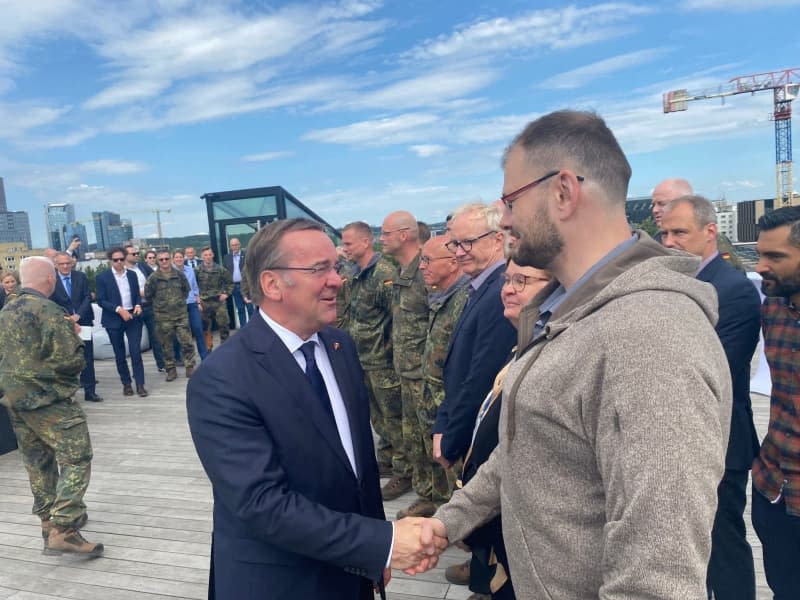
{"x": 289, "y": 338}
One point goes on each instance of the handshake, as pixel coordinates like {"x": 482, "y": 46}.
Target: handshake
{"x": 418, "y": 542}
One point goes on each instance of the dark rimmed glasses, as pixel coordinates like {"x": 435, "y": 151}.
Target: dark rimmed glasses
{"x": 509, "y": 199}
{"x": 519, "y": 281}
{"x": 118, "y": 259}
{"x": 466, "y": 245}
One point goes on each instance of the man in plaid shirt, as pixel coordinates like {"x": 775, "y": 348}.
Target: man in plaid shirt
{"x": 776, "y": 470}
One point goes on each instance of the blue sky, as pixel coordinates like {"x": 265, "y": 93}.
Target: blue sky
{"x": 362, "y": 107}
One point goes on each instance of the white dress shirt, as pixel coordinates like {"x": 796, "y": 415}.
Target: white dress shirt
{"x": 293, "y": 342}
{"x": 124, "y": 287}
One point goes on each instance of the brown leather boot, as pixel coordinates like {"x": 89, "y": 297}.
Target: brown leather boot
{"x": 172, "y": 374}
{"x": 421, "y": 507}
{"x": 47, "y": 526}
{"x": 396, "y": 487}
{"x": 458, "y": 574}
{"x": 68, "y": 539}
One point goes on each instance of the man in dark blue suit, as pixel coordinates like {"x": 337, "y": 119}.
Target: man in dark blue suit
{"x": 279, "y": 416}
{"x": 118, "y": 295}
{"x": 689, "y": 223}
{"x": 73, "y": 295}
{"x": 482, "y": 338}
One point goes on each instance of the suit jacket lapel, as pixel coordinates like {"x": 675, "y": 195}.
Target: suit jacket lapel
{"x": 341, "y": 371}
{"x": 275, "y": 358}
{"x": 710, "y": 270}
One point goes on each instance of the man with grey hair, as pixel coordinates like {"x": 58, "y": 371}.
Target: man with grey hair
{"x": 665, "y": 192}
{"x": 41, "y": 356}
{"x": 614, "y": 426}
{"x": 286, "y": 441}
{"x": 689, "y": 223}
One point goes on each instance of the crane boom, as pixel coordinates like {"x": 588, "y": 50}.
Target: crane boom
{"x": 785, "y": 86}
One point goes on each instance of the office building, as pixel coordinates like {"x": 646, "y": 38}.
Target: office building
{"x": 58, "y": 216}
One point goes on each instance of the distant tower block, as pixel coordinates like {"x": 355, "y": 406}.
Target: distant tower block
{"x": 3, "y": 206}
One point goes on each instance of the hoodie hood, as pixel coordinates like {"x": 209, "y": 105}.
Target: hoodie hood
{"x": 645, "y": 266}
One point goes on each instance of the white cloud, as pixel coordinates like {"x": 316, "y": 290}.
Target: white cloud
{"x": 266, "y": 156}
{"x": 426, "y": 150}
{"x": 740, "y": 184}
{"x": 579, "y": 77}
{"x": 18, "y": 118}
{"x": 57, "y": 141}
{"x": 566, "y": 27}
{"x": 112, "y": 167}
{"x": 737, "y": 5}
{"x": 378, "y": 132}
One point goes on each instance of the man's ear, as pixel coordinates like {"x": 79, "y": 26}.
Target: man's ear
{"x": 567, "y": 194}
{"x": 271, "y": 285}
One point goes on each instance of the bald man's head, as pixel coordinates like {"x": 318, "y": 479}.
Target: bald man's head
{"x": 38, "y": 273}
{"x": 665, "y": 192}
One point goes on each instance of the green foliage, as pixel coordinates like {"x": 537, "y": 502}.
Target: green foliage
{"x": 91, "y": 275}
{"x": 649, "y": 226}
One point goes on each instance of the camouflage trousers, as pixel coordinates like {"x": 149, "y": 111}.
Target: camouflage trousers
{"x": 51, "y": 438}
{"x": 169, "y": 327}
{"x": 386, "y": 414}
{"x": 214, "y": 310}
{"x": 413, "y": 443}
{"x": 437, "y": 482}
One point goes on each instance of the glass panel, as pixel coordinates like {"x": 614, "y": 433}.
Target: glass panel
{"x": 245, "y": 207}
{"x": 242, "y": 231}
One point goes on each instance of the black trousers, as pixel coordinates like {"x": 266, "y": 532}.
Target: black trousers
{"x": 88, "y": 377}
{"x": 731, "y": 574}
{"x": 779, "y": 533}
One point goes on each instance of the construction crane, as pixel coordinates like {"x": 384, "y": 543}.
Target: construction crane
{"x": 785, "y": 86}
{"x": 158, "y": 212}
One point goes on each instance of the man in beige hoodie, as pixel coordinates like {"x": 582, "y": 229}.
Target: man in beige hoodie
{"x": 613, "y": 434}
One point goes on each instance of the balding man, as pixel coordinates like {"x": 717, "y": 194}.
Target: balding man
{"x": 614, "y": 425}
{"x": 400, "y": 239}
{"x": 447, "y": 297}
{"x": 41, "y": 356}
{"x": 689, "y": 223}
{"x": 665, "y": 192}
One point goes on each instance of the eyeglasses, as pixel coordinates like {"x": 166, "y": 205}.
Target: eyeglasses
{"x": 511, "y": 197}
{"x": 133, "y": 254}
{"x": 315, "y": 270}
{"x": 426, "y": 260}
{"x": 117, "y": 260}
{"x": 150, "y": 257}
{"x": 518, "y": 281}
{"x": 167, "y": 259}
{"x": 465, "y": 245}
{"x": 394, "y": 230}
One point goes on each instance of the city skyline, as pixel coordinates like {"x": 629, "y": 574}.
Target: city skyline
{"x": 361, "y": 107}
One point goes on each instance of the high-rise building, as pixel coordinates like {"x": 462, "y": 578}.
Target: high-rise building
{"x": 110, "y": 230}
{"x": 727, "y": 219}
{"x": 58, "y": 217}
{"x": 3, "y": 207}
{"x": 14, "y": 225}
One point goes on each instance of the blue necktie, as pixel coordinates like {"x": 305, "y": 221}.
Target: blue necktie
{"x": 68, "y": 285}
{"x": 314, "y": 377}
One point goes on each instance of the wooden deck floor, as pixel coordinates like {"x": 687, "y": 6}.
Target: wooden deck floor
{"x": 150, "y": 504}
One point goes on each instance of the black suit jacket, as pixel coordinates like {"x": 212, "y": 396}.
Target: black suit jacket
{"x": 80, "y": 301}
{"x": 738, "y": 328}
{"x": 478, "y": 349}
{"x": 227, "y": 262}
{"x": 108, "y": 297}
{"x": 291, "y": 519}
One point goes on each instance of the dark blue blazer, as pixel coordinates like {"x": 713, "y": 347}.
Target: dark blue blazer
{"x": 738, "y": 329}
{"x": 291, "y": 519}
{"x": 479, "y": 347}
{"x": 109, "y": 299}
{"x": 80, "y": 301}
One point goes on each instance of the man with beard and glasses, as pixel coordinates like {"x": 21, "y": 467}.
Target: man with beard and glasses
{"x": 614, "y": 426}
{"x": 776, "y": 470}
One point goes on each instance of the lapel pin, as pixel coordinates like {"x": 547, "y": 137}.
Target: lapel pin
{"x": 336, "y": 345}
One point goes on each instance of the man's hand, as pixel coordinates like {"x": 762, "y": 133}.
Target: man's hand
{"x": 137, "y": 310}
{"x": 75, "y": 317}
{"x": 223, "y": 297}
{"x": 433, "y": 539}
{"x": 437, "y": 451}
{"x": 126, "y": 316}
{"x": 417, "y": 544}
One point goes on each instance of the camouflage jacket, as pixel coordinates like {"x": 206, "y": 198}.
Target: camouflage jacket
{"x": 346, "y": 269}
{"x": 213, "y": 281}
{"x": 41, "y": 356}
{"x": 410, "y": 320}
{"x": 369, "y": 312}
{"x": 445, "y": 309}
{"x": 167, "y": 292}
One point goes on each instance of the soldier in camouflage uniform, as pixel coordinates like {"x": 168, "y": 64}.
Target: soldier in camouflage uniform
{"x": 400, "y": 239}
{"x": 167, "y": 289}
{"x": 41, "y": 357}
{"x": 368, "y": 319}
{"x": 216, "y": 285}
{"x": 447, "y": 298}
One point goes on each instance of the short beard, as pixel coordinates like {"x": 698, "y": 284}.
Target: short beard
{"x": 781, "y": 288}
{"x": 540, "y": 245}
